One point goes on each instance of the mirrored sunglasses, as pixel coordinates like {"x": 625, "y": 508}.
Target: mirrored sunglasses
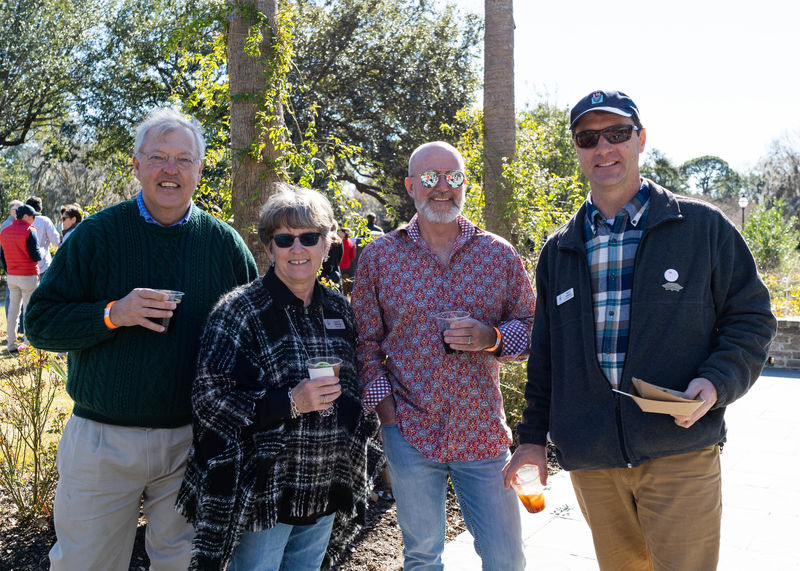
{"x": 454, "y": 179}
{"x": 287, "y": 240}
{"x": 615, "y": 134}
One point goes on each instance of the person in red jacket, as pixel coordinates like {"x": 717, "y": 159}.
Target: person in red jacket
{"x": 348, "y": 257}
{"x": 19, "y": 253}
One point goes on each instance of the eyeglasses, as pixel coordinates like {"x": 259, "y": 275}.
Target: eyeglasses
{"x": 454, "y": 179}
{"x": 287, "y": 240}
{"x": 615, "y": 134}
{"x": 160, "y": 160}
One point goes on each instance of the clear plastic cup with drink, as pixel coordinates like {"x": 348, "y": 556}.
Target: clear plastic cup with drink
{"x": 174, "y": 296}
{"x": 324, "y": 367}
{"x": 529, "y": 488}
{"x": 444, "y": 319}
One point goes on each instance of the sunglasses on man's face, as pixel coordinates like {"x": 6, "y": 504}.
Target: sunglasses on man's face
{"x": 287, "y": 240}
{"x": 615, "y": 134}
{"x": 454, "y": 179}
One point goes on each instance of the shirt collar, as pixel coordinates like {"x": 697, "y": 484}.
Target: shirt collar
{"x": 144, "y": 213}
{"x": 283, "y": 296}
{"x": 468, "y": 229}
{"x": 635, "y": 209}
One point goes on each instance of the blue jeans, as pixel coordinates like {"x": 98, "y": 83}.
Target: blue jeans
{"x": 284, "y": 547}
{"x": 490, "y": 510}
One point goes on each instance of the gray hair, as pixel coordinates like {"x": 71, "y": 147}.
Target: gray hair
{"x": 14, "y": 204}
{"x": 164, "y": 120}
{"x": 296, "y": 207}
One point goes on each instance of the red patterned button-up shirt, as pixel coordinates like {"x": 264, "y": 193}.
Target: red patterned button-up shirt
{"x": 449, "y": 406}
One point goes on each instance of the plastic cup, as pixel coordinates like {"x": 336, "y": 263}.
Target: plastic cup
{"x": 444, "y": 319}
{"x": 529, "y": 488}
{"x": 323, "y": 367}
{"x": 175, "y": 296}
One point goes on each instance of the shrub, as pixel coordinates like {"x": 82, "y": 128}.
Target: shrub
{"x": 513, "y": 377}
{"x": 29, "y": 429}
{"x": 772, "y": 239}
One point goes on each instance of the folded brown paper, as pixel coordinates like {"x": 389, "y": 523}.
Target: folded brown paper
{"x": 652, "y": 398}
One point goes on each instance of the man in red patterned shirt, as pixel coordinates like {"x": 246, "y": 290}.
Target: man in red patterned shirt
{"x": 442, "y": 412}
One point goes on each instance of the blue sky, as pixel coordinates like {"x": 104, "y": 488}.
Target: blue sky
{"x": 709, "y": 77}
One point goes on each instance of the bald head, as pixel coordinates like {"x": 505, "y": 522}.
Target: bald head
{"x": 434, "y": 148}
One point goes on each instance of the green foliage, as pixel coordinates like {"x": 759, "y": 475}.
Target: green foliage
{"x": 382, "y": 76}
{"x": 43, "y": 45}
{"x": 29, "y": 430}
{"x": 711, "y": 176}
{"x": 14, "y": 179}
{"x": 513, "y": 377}
{"x": 545, "y": 177}
{"x": 784, "y": 290}
{"x": 546, "y": 180}
{"x": 658, "y": 168}
{"x": 151, "y": 53}
{"x": 772, "y": 239}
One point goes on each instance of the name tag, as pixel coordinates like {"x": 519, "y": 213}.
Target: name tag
{"x": 566, "y": 296}
{"x": 334, "y": 324}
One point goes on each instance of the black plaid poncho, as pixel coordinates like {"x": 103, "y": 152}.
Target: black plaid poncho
{"x": 249, "y": 470}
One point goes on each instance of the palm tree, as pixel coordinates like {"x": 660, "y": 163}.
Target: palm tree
{"x": 498, "y": 113}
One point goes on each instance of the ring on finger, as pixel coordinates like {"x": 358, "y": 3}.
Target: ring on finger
{"x": 469, "y": 340}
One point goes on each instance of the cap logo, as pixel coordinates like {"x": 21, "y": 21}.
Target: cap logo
{"x": 597, "y": 97}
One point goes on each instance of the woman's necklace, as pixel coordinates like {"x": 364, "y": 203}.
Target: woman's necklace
{"x": 328, "y": 411}
{"x": 300, "y": 339}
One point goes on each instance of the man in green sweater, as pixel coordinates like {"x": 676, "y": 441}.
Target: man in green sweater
{"x": 131, "y": 379}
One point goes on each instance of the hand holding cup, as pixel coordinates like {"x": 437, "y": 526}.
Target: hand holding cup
{"x": 145, "y": 307}
{"x": 322, "y": 388}
{"x": 528, "y": 486}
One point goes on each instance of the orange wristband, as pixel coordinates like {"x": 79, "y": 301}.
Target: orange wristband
{"x": 107, "y": 315}
{"x": 496, "y": 343}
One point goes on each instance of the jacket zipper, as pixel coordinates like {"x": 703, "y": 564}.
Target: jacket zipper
{"x": 619, "y": 432}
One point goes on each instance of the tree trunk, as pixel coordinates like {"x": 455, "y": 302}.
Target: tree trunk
{"x": 498, "y": 114}
{"x": 252, "y": 178}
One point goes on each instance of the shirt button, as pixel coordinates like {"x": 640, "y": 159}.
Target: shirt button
{"x": 611, "y": 313}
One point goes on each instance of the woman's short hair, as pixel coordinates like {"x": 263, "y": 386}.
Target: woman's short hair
{"x": 296, "y": 207}
{"x": 72, "y": 211}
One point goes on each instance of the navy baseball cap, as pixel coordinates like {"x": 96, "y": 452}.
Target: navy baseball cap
{"x": 606, "y": 101}
{"x": 23, "y": 210}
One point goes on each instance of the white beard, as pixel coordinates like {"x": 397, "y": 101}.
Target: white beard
{"x": 427, "y": 209}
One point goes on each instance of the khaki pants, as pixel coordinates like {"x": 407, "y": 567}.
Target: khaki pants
{"x": 19, "y": 290}
{"x": 663, "y": 515}
{"x": 105, "y": 473}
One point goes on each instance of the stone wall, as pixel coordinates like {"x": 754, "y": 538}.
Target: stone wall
{"x": 785, "y": 350}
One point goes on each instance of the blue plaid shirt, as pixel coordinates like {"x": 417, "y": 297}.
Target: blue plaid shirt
{"x": 149, "y": 217}
{"x": 611, "y": 249}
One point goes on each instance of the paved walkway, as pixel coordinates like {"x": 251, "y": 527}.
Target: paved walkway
{"x": 760, "y": 489}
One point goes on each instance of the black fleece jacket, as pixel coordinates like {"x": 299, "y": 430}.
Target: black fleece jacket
{"x": 717, "y": 324}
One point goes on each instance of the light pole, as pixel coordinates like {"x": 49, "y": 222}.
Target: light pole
{"x": 743, "y": 202}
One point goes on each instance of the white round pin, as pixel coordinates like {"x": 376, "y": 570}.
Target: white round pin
{"x": 671, "y": 275}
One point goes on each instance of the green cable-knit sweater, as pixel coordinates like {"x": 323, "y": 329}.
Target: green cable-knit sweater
{"x": 132, "y": 376}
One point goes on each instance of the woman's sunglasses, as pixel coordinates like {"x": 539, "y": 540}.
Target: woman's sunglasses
{"x": 615, "y": 134}
{"x": 287, "y": 240}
